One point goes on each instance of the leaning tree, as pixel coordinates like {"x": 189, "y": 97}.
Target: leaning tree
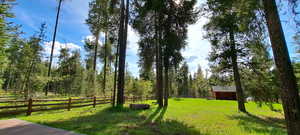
{"x": 289, "y": 89}
{"x": 53, "y": 44}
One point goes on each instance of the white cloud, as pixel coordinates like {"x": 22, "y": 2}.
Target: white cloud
{"x": 197, "y": 48}
{"x": 93, "y": 38}
{"x": 132, "y": 51}
{"x": 89, "y": 37}
{"x": 58, "y": 46}
{"x": 132, "y": 41}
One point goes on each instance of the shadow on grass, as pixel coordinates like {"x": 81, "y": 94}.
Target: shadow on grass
{"x": 178, "y": 99}
{"x": 116, "y": 121}
{"x": 161, "y": 115}
{"x": 11, "y": 114}
{"x": 152, "y": 115}
{"x": 254, "y": 124}
{"x": 157, "y": 115}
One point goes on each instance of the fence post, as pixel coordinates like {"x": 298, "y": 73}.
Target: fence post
{"x": 29, "y": 107}
{"x": 94, "y": 105}
{"x": 69, "y": 104}
{"x": 132, "y": 99}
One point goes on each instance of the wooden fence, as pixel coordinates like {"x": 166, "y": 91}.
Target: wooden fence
{"x": 36, "y": 105}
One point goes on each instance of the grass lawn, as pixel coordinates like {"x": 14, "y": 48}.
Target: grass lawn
{"x": 182, "y": 117}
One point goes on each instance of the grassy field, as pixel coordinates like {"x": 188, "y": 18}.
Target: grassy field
{"x": 182, "y": 117}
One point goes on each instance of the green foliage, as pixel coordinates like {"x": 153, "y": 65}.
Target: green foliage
{"x": 228, "y": 17}
{"x": 260, "y": 80}
{"x": 1, "y": 82}
{"x": 200, "y": 85}
{"x": 25, "y": 72}
{"x": 297, "y": 46}
{"x": 4, "y": 37}
{"x": 235, "y": 29}
{"x": 296, "y": 66}
{"x": 141, "y": 88}
{"x": 102, "y": 17}
{"x": 162, "y": 26}
{"x": 183, "y": 81}
{"x": 70, "y": 72}
{"x": 188, "y": 85}
{"x": 96, "y": 15}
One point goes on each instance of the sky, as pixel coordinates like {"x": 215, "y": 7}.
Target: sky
{"x": 72, "y": 30}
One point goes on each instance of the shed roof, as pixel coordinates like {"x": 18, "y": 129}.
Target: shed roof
{"x": 223, "y": 88}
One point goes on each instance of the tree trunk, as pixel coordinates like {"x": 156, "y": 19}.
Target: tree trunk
{"x": 27, "y": 77}
{"x": 105, "y": 62}
{"x": 159, "y": 76}
{"x": 237, "y": 79}
{"x": 177, "y": 82}
{"x": 9, "y": 78}
{"x": 158, "y": 59}
{"x": 160, "y": 71}
{"x": 171, "y": 79}
{"x": 52, "y": 49}
{"x": 289, "y": 88}
{"x": 122, "y": 58}
{"x": 166, "y": 91}
{"x": 95, "y": 62}
{"x": 115, "y": 77}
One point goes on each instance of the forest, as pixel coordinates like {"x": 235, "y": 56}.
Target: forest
{"x": 249, "y": 51}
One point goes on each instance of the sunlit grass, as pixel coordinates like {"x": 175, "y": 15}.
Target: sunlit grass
{"x": 182, "y": 117}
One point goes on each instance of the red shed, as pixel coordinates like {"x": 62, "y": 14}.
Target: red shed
{"x": 224, "y": 92}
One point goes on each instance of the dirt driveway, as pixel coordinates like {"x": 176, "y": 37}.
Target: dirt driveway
{"x": 20, "y": 127}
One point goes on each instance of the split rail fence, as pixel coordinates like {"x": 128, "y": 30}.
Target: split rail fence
{"x": 12, "y": 107}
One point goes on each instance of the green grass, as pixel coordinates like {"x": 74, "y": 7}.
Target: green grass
{"x": 182, "y": 117}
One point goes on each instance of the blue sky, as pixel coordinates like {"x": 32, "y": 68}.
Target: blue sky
{"x": 72, "y": 30}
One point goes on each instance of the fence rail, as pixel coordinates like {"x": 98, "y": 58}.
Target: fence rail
{"x": 31, "y": 105}
{"x": 12, "y": 101}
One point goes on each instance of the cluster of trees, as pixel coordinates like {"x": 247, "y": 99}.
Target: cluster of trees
{"x": 24, "y": 64}
{"x": 3, "y": 38}
{"x": 162, "y": 26}
{"x": 200, "y": 84}
{"x": 238, "y": 31}
{"x": 25, "y": 70}
{"x": 238, "y": 43}
{"x": 185, "y": 84}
